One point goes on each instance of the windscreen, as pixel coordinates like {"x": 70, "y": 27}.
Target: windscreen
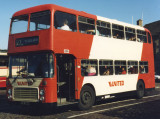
{"x": 38, "y": 65}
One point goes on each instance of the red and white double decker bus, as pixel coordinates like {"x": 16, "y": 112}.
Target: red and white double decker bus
{"x": 3, "y": 69}
{"x": 64, "y": 56}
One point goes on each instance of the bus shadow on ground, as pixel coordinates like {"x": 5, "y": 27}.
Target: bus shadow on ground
{"x": 38, "y": 110}
{"x": 35, "y": 111}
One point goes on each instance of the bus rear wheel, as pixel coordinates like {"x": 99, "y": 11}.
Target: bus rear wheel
{"x": 87, "y": 98}
{"x": 140, "y": 89}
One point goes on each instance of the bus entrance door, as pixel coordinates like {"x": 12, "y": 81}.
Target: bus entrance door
{"x": 65, "y": 78}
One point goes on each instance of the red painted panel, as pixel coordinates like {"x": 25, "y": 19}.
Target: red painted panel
{"x": 78, "y": 44}
{"x": 147, "y": 55}
{"x": 50, "y": 90}
{"x": 78, "y": 79}
{"x": 45, "y": 41}
{"x": 2, "y": 82}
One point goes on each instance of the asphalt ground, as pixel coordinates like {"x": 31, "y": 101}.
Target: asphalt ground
{"x": 117, "y": 108}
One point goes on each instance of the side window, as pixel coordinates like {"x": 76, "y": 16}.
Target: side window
{"x": 143, "y": 67}
{"x": 141, "y": 36}
{"x": 132, "y": 67}
{"x": 40, "y": 20}
{"x": 86, "y": 25}
{"x": 103, "y": 29}
{"x": 130, "y": 34}
{"x": 106, "y": 67}
{"x": 120, "y": 67}
{"x": 4, "y": 61}
{"x": 149, "y": 38}
{"x": 89, "y": 68}
{"x": 65, "y": 21}
{"x": 117, "y": 31}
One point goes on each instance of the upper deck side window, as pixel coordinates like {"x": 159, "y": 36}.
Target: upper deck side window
{"x": 40, "y": 20}
{"x": 141, "y": 36}
{"x": 65, "y": 21}
{"x": 103, "y": 29}
{"x": 86, "y": 25}
{"x": 19, "y": 24}
{"x": 130, "y": 34}
{"x": 117, "y": 31}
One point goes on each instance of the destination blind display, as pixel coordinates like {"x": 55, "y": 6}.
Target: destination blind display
{"x": 27, "y": 41}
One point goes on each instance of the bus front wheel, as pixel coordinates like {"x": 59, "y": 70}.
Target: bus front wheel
{"x": 87, "y": 98}
{"x": 140, "y": 89}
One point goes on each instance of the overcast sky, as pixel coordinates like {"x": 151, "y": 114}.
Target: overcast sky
{"x": 122, "y": 10}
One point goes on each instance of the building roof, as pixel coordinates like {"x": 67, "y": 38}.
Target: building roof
{"x": 154, "y": 27}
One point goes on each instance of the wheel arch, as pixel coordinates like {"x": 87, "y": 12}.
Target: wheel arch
{"x": 90, "y": 85}
{"x": 142, "y": 81}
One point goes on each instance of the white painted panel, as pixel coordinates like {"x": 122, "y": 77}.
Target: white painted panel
{"x": 116, "y": 49}
{"x": 3, "y": 72}
{"x": 102, "y": 87}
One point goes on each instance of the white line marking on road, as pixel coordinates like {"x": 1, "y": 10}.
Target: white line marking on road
{"x": 112, "y": 108}
{"x": 152, "y": 96}
{"x": 114, "y": 102}
{"x": 123, "y": 101}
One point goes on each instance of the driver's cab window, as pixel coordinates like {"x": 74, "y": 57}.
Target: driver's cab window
{"x": 65, "y": 21}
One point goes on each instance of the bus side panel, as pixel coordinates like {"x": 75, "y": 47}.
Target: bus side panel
{"x": 3, "y": 75}
{"x": 2, "y": 82}
{"x": 78, "y": 78}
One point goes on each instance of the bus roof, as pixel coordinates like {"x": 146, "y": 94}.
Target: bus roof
{"x": 52, "y": 7}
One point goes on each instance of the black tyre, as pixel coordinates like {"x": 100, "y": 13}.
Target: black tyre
{"x": 140, "y": 89}
{"x": 87, "y": 98}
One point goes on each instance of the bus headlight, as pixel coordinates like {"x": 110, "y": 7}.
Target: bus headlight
{"x": 41, "y": 92}
{"x": 10, "y": 91}
{"x": 41, "y": 98}
{"x": 9, "y": 97}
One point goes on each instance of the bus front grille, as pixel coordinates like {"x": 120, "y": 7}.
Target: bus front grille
{"x": 25, "y": 94}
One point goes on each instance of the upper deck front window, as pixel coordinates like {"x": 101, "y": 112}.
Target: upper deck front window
{"x": 19, "y": 24}
{"x": 40, "y": 20}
